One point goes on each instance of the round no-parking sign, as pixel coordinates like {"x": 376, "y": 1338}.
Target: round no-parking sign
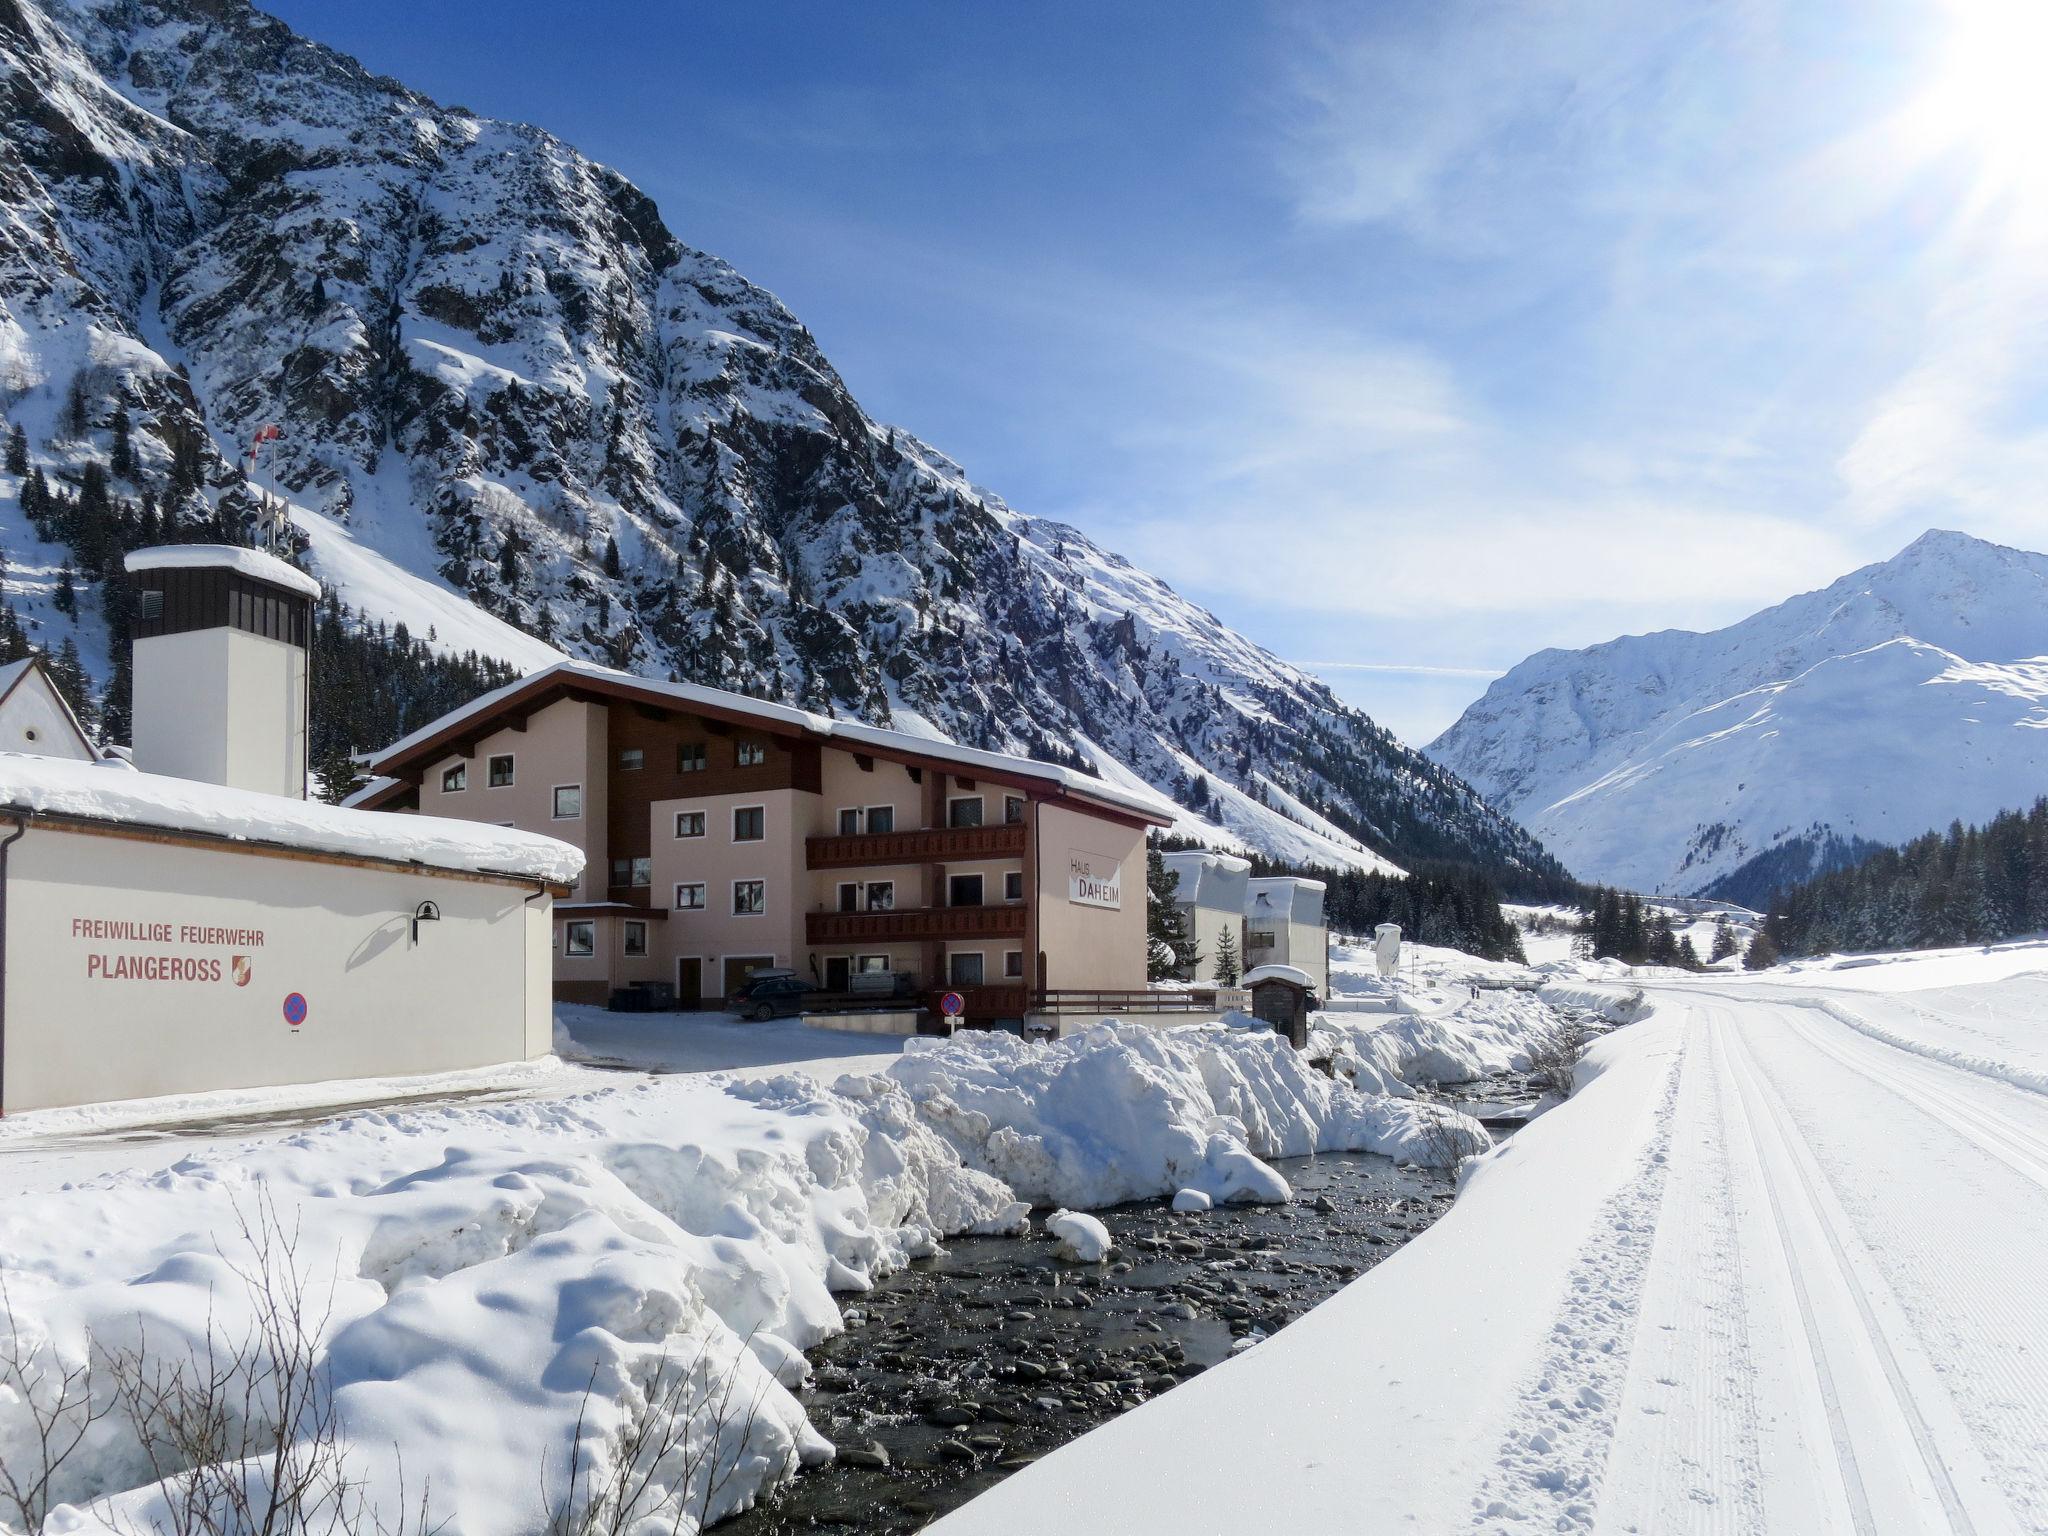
{"x": 952, "y": 1005}
{"x": 295, "y": 1009}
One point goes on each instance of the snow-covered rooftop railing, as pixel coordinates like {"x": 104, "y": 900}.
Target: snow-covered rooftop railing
{"x": 48, "y": 786}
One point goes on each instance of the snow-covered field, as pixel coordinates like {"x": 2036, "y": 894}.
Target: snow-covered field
{"x": 1775, "y": 1267}
{"x": 568, "y": 1265}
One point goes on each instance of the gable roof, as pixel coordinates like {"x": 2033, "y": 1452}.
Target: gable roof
{"x": 446, "y": 736}
{"x": 15, "y": 673}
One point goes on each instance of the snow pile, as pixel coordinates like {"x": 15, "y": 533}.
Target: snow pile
{"x": 1487, "y": 1034}
{"x": 1082, "y": 1239}
{"x": 1616, "y": 1002}
{"x": 51, "y": 786}
{"x": 1124, "y": 1112}
{"x": 1191, "y": 1202}
{"x": 571, "y": 1267}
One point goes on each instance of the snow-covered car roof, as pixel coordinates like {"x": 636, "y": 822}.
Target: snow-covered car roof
{"x": 437, "y": 737}
{"x": 116, "y": 793}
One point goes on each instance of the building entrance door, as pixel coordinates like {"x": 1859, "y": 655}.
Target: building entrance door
{"x": 689, "y": 982}
{"x": 836, "y": 970}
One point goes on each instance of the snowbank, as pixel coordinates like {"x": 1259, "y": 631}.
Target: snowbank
{"x": 1125, "y": 1112}
{"x": 577, "y": 1265}
{"x": 58, "y": 787}
{"x": 547, "y": 1262}
{"x": 1482, "y": 1036}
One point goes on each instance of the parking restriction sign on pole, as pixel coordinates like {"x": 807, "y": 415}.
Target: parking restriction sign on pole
{"x": 952, "y": 1005}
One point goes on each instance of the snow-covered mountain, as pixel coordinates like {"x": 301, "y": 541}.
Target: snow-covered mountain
{"x": 1909, "y": 693}
{"x": 518, "y": 414}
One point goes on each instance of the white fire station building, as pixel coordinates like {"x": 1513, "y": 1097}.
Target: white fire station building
{"x": 193, "y": 921}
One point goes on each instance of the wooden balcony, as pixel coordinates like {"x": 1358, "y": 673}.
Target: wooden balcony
{"x": 934, "y": 845}
{"x": 915, "y": 924}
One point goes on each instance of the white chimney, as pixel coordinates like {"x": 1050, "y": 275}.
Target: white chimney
{"x": 221, "y": 638}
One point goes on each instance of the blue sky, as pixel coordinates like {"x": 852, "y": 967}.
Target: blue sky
{"x": 1409, "y": 337}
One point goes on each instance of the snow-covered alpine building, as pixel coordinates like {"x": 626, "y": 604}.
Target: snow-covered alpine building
{"x": 181, "y": 931}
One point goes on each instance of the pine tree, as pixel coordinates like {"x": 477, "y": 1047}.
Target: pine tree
{"x": 611, "y": 557}
{"x": 1170, "y": 948}
{"x": 17, "y": 450}
{"x": 66, "y": 599}
{"x": 1227, "y": 970}
{"x": 1724, "y": 940}
{"x": 121, "y": 456}
{"x": 1763, "y": 952}
{"x": 77, "y": 407}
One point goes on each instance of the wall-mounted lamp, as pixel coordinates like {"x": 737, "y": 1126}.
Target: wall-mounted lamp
{"x": 425, "y": 912}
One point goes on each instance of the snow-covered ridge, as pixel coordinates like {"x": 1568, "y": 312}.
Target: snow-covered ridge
{"x": 1907, "y": 694}
{"x": 113, "y": 792}
{"x": 502, "y": 382}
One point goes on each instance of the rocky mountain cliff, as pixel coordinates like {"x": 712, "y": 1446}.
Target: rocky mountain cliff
{"x": 1905, "y": 695}
{"x": 517, "y": 414}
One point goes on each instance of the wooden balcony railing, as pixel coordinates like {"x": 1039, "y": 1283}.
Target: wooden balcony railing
{"x": 933, "y": 845}
{"x": 911, "y": 924}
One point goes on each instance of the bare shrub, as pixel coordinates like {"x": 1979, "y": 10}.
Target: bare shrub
{"x": 1554, "y": 1055}
{"x": 669, "y": 1461}
{"x": 241, "y": 1437}
{"x": 1445, "y": 1142}
{"x": 59, "y": 1407}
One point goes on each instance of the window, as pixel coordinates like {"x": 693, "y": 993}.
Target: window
{"x": 881, "y": 895}
{"x": 568, "y": 801}
{"x": 689, "y": 823}
{"x": 455, "y": 780}
{"x": 749, "y": 898}
{"x": 1013, "y": 885}
{"x": 749, "y": 824}
{"x": 152, "y": 606}
{"x": 963, "y": 891}
{"x": 579, "y": 938}
{"x": 1013, "y": 962}
{"x": 690, "y": 757}
{"x": 871, "y": 965}
{"x": 501, "y": 771}
{"x": 964, "y": 970}
{"x": 849, "y": 896}
{"x": 849, "y": 823}
{"x": 749, "y": 754}
{"x": 636, "y": 938}
{"x": 632, "y": 871}
{"x": 1257, "y": 939}
{"x": 964, "y": 813}
{"x": 1013, "y": 810}
{"x": 631, "y": 759}
{"x": 690, "y": 896}
{"x": 881, "y": 818}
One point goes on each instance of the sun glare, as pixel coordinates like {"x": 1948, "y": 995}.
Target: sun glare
{"x": 1989, "y": 97}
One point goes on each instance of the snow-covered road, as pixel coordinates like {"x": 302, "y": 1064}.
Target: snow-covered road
{"x": 1778, "y": 1267}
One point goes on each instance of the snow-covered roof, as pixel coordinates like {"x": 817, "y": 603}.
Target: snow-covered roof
{"x": 115, "y": 792}
{"x": 849, "y": 734}
{"x": 1293, "y": 973}
{"x": 229, "y": 557}
{"x": 1206, "y": 878}
{"x": 1289, "y": 898}
{"x": 16, "y": 672}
